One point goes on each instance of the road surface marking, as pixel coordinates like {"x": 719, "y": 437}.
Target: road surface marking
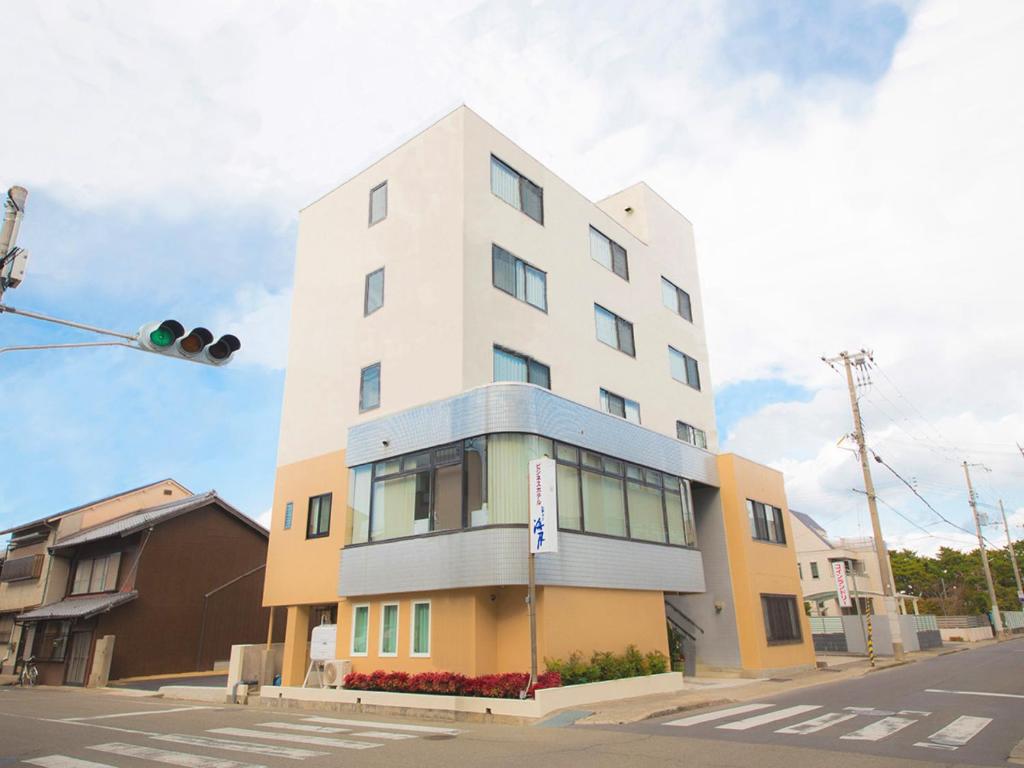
{"x": 134, "y": 714}
{"x": 61, "y": 761}
{"x": 301, "y": 738}
{"x": 272, "y": 750}
{"x": 880, "y": 729}
{"x": 819, "y": 723}
{"x": 385, "y": 726}
{"x": 173, "y": 758}
{"x": 917, "y": 712}
{"x": 304, "y": 728}
{"x": 719, "y": 715}
{"x": 383, "y": 735}
{"x": 957, "y": 733}
{"x": 977, "y": 693}
{"x": 870, "y": 711}
{"x": 96, "y": 725}
{"x": 769, "y": 717}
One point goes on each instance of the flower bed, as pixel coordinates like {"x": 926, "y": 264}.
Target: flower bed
{"x": 509, "y": 685}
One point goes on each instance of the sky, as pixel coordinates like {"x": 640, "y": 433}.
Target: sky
{"x": 854, "y": 172}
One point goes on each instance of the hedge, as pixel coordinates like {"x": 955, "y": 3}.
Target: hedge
{"x": 604, "y": 665}
{"x": 509, "y": 685}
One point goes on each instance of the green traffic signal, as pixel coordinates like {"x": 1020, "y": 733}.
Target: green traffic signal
{"x": 161, "y": 337}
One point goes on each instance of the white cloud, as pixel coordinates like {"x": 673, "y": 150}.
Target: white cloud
{"x": 259, "y": 318}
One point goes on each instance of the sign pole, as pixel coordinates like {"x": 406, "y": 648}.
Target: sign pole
{"x": 531, "y": 599}
{"x": 543, "y": 536}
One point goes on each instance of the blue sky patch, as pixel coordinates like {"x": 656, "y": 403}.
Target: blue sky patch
{"x": 736, "y": 401}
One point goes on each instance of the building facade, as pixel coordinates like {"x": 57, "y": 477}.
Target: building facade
{"x": 458, "y": 311}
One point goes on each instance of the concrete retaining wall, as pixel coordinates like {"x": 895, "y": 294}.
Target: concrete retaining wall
{"x": 966, "y": 634}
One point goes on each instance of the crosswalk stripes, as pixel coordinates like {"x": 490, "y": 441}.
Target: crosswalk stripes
{"x": 387, "y": 726}
{"x": 956, "y": 734}
{"x": 707, "y": 717}
{"x": 385, "y": 736}
{"x": 62, "y": 761}
{"x": 306, "y": 728}
{"x": 879, "y": 729}
{"x": 819, "y": 723}
{"x": 183, "y": 759}
{"x": 769, "y": 717}
{"x": 301, "y": 738}
{"x": 270, "y": 750}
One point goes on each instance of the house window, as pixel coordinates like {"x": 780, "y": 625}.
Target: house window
{"x": 676, "y": 299}
{"x": 96, "y": 574}
{"x": 511, "y": 366}
{"x": 766, "y": 523}
{"x": 378, "y": 203}
{"x": 692, "y": 435}
{"x": 360, "y": 629}
{"x": 420, "y": 645}
{"x": 781, "y": 621}
{"x": 614, "y": 331}
{"x": 51, "y": 640}
{"x": 608, "y": 254}
{"x": 517, "y": 278}
{"x": 373, "y": 294}
{"x": 288, "y": 509}
{"x": 19, "y": 568}
{"x": 389, "y": 629}
{"x": 319, "y": 522}
{"x": 814, "y": 570}
{"x": 369, "y": 388}
{"x": 684, "y": 368}
{"x": 620, "y": 406}
{"x": 517, "y": 190}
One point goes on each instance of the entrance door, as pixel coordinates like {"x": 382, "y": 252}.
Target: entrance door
{"x": 78, "y": 658}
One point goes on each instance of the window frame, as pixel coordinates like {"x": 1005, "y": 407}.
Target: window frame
{"x": 398, "y": 621}
{"x": 794, "y": 617}
{"x": 362, "y": 387}
{"x": 527, "y": 360}
{"x": 383, "y": 185}
{"x": 619, "y": 321}
{"x": 516, "y": 261}
{"x": 352, "y": 635}
{"x": 412, "y": 629}
{"x": 612, "y": 245}
{"x": 761, "y": 531}
{"x": 289, "y": 514}
{"x": 366, "y": 292}
{"x": 677, "y": 310}
{"x": 815, "y": 572}
{"x": 309, "y": 515}
{"x": 607, "y": 394}
{"x": 686, "y": 360}
{"x": 692, "y": 431}
{"x": 524, "y": 183}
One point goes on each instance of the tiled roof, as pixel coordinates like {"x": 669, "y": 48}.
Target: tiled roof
{"x": 79, "y": 607}
{"x": 145, "y": 518}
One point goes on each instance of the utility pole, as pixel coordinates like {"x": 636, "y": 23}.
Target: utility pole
{"x": 1013, "y": 554}
{"x": 861, "y": 359}
{"x": 997, "y": 620}
{"x": 12, "y": 259}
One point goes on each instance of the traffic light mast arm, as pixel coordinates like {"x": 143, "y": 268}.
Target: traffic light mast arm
{"x": 77, "y": 345}
{"x": 68, "y": 323}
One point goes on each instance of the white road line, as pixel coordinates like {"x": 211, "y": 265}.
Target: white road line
{"x": 96, "y": 725}
{"x": 870, "y": 711}
{"x": 977, "y": 693}
{"x": 172, "y": 758}
{"x": 769, "y": 717}
{"x": 301, "y": 738}
{"x": 879, "y": 729}
{"x": 819, "y": 723}
{"x": 273, "y": 750}
{"x": 385, "y": 726}
{"x": 134, "y": 714}
{"x": 61, "y": 761}
{"x": 383, "y": 735}
{"x": 304, "y": 728}
{"x": 721, "y": 714}
{"x": 917, "y": 712}
{"x": 957, "y": 733}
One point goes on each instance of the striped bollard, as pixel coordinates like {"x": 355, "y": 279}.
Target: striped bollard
{"x": 871, "y": 641}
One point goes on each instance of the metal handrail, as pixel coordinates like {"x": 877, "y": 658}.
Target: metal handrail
{"x": 685, "y": 617}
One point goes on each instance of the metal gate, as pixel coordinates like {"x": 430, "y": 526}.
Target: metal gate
{"x": 78, "y": 658}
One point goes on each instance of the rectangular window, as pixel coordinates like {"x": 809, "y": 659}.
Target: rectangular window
{"x": 646, "y": 516}
{"x": 420, "y": 629}
{"x": 378, "y": 203}
{"x": 319, "y": 521}
{"x": 676, "y": 299}
{"x": 369, "y": 388}
{"x": 620, "y": 406}
{"x": 511, "y": 366}
{"x": 766, "y": 523}
{"x": 517, "y": 190}
{"x": 692, "y": 435}
{"x": 814, "y": 570}
{"x": 614, "y": 331}
{"x": 360, "y": 629}
{"x": 781, "y": 620}
{"x": 51, "y": 640}
{"x": 517, "y": 278}
{"x": 389, "y": 629}
{"x": 683, "y": 368}
{"x": 96, "y": 574}
{"x": 83, "y": 574}
{"x": 608, "y": 254}
{"x": 288, "y": 508}
{"x": 373, "y": 294}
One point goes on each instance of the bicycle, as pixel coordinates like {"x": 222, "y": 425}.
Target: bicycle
{"x": 29, "y": 673}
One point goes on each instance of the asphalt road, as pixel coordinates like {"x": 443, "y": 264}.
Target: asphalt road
{"x": 959, "y": 708}
{"x": 53, "y": 728}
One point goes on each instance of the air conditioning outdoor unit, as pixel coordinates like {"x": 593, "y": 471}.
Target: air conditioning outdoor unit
{"x": 334, "y": 672}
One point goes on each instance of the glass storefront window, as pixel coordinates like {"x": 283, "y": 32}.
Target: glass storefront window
{"x": 568, "y": 497}
{"x": 604, "y": 508}
{"x": 646, "y": 519}
{"x": 508, "y": 487}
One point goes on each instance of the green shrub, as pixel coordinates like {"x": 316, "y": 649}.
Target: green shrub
{"x": 605, "y": 665}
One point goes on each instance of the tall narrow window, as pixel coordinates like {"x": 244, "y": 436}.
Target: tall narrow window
{"x": 288, "y": 515}
{"x": 511, "y": 366}
{"x": 378, "y": 203}
{"x": 369, "y": 388}
{"x": 319, "y": 521}
{"x": 373, "y": 295}
{"x": 620, "y": 406}
{"x": 389, "y": 630}
{"x": 684, "y": 368}
{"x": 517, "y": 190}
{"x": 614, "y": 330}
{"x": 608, "y": 254}
{"x": 420, "y": 629}
{"x": 360, "y": 629}
{"x": 517, "y": 278}
{"x": 676, "y": 299}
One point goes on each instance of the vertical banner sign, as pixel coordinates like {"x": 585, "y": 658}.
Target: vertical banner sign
{"x": 842, "y": 589}
{"x": 543, "y": 507}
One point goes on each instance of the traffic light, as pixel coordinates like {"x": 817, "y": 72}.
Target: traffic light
{"x": 169, "y": 338}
